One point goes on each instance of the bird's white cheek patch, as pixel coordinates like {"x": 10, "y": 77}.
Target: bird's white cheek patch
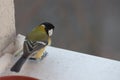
{"x": 50, "y": 32}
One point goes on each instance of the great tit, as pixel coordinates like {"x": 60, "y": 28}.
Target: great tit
{"x": 34, "y": 44}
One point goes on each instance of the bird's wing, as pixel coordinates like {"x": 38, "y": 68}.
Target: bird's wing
{"x": 30, "y": 46}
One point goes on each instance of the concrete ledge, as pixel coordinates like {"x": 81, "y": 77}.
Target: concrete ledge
{"x": 62, "y": 64}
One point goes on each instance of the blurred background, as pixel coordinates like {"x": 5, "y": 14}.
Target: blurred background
{"x": 87, "y": 26}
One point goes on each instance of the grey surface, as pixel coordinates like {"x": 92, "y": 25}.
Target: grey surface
{"x": 89, "y": 26}
{"x": 62, "y": 64}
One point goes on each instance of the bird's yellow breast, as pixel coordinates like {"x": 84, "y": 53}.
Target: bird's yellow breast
{"x": 39, "y": 54}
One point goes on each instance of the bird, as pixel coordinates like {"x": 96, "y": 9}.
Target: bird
{"x": 35, "y": 44}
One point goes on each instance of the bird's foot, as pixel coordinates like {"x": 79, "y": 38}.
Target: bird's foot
{"x": 44, "y": 55}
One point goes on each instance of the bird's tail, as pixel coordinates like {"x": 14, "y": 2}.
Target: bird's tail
{"x": 18, "y": 65}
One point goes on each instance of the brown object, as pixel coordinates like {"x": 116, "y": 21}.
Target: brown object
{"x": 17, "y": 78}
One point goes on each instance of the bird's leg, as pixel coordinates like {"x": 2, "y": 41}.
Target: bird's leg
{"x": 44, "y": 55}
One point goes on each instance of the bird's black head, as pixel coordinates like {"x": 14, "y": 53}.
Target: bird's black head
{"x": 48, "y": 27}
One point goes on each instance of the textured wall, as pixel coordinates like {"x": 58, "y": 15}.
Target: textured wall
{"x": 7, "y": 22}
